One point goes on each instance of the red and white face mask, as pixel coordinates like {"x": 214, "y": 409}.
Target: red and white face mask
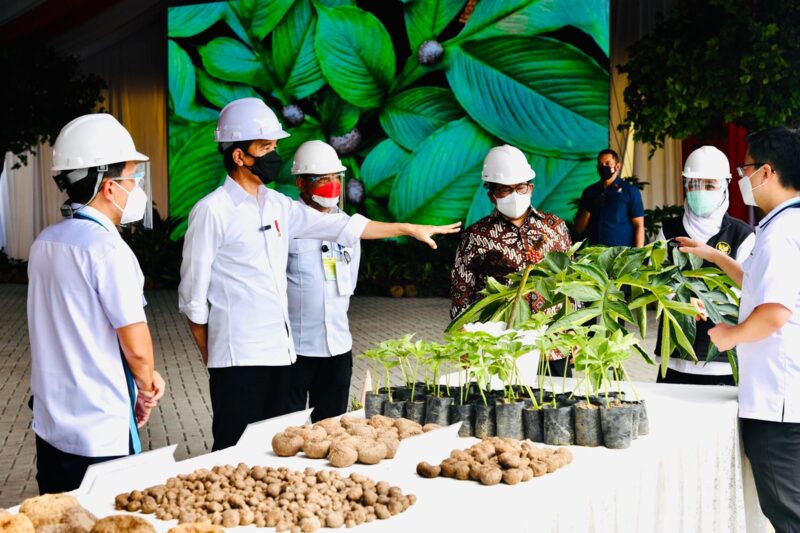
{"x": 327, "y": 195}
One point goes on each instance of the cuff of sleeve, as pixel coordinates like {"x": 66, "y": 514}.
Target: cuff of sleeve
{"x": 197, "y": 313}
{"x": 132, "y": 317}
{"x": 784, "y": 298}
{"x": 351, "y": 234}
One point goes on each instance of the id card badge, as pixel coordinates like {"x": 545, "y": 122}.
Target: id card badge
{"x": 329, "y": 267}
{"x": 344, "y": 278}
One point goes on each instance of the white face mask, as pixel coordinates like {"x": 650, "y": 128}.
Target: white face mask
{"x": 746, "y": 188}
{"x": 134, "y": 207}
{"x": 325, "y": 202}
{"x": 514, "y": 205}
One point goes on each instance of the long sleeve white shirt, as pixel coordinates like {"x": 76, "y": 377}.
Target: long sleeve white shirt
{"x": 233, "y": 275}
{"x": 317, "y": 309}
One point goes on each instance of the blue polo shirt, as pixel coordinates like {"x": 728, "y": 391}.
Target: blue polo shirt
{"x": 611, "y": 210}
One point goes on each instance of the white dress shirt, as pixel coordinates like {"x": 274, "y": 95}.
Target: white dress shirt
{"x": 315, "y": 304}
{"x": 769, "y": 369}
{"x": 233, "y": 275}
{"x": 85, "y": 283}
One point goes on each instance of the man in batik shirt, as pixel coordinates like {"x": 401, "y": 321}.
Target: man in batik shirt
{"x": 511, "y": 237}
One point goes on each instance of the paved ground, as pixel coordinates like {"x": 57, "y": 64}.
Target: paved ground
{"x": 184, "y": 415}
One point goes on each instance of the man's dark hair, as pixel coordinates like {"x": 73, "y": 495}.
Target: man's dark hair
{"x": 227, "y": 154}
{"x": 780, "y": 147}
{"x": 610, "y": 152}
{"x": 82, "y": 191}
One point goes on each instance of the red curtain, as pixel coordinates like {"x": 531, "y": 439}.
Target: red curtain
{"x": 732, "y": 143}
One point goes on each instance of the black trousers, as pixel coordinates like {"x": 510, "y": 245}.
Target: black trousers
{"x": 683, "y": 378}
{"x": 241, "y": 395}
{"x": 324, "y": 381}
{"x": 773, "y": 449}
{"x": 58, "y": 471}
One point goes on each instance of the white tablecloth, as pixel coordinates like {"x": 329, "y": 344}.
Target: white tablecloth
{"x": 689, "y": 474}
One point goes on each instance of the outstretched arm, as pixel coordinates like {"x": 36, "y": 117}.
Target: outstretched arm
{"x": 704, "y": 251}
{"x": 423, "y": 233}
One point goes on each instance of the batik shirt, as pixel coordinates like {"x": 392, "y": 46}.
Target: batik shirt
{"x": 495, "y": 247}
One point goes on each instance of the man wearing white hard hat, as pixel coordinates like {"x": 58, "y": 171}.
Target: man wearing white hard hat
{"x": 511, "y": 237}
{"x": 705, "y": 219}
{"x": 92, "y": 373}
{"x": 322, "y": 276}
{"x": 233, "y": 276}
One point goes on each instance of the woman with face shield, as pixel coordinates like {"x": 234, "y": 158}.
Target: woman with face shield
{"x": 706, "y": 176}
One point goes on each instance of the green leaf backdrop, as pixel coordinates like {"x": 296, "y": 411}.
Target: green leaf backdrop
{"x": 531, "y": 73}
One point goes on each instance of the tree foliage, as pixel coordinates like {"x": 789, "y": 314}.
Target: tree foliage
{"x": 711, "y": 63}
{"x": 43, "y": 91}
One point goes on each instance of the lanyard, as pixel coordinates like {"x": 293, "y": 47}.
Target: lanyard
{"x": 784, "y": 208}
{"x": 81, "y": 216}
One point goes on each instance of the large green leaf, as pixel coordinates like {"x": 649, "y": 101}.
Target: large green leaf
{"x": 293, "y": 53}
{"x": 355, "y": 53}
{"x": 412, "y": 115}
{"x": 381, "y": 166}
{"x": 186, "y": 21}
{"x": 337, "y": 3}
{"x": 230, "y": 60}
{"x": 337, "y": 117}
{"x": 437, "y": 184}
{"x": 195, "y": 169}
{"x": 558, "y": 182}
{"x": 425, "y": 19}
{"x": 308, "y": 130}
{"x": 221, "y": 93}
{"x": 531, "y": 17}
{"x": 539, "y": 94}
{"x": 182, "y": 88}
{"x": 261, "y": 16}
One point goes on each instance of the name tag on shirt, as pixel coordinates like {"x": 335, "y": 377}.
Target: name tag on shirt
{"x": 344, "y": 278}
{"x": 329, "y": 266}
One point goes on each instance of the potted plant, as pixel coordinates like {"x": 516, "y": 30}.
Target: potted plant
{"x": 437, "y": 407}
{"x": 374, "y": 400}
{"x": 416, "y": 353}
{"x": 601, "y": 359}
{"x": 613, "y": 285}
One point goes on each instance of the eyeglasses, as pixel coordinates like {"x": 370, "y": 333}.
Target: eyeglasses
{"x": 520, "y": 188}
{"x": 325, "y": 178}
{"x": 740, "y": 169}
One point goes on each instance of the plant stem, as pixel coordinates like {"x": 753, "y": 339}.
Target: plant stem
{"x": 512, "y": 319}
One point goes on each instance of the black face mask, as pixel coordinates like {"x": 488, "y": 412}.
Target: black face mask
{"x": 605, "y": 172}
{"x": 266, "y": 167}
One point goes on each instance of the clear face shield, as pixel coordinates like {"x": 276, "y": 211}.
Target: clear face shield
{"x": 705, "y": 195}
{"x": 141, "y": 177}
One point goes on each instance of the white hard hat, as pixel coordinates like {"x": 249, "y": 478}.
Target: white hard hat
{"x": 248, "y": 119}
{"x": 707, "y": 162}
{"x": 91, "y": 141}
{"x": 316, "y": 157}
{"x": 506, "y": 165}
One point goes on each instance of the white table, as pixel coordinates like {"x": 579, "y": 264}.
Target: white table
{"x": 689, "y": 474}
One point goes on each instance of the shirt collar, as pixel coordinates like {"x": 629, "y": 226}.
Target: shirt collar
{"x": 94, "y": 214}
{"x": 237, "y": 192}
{"x": 776, "y": 210}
